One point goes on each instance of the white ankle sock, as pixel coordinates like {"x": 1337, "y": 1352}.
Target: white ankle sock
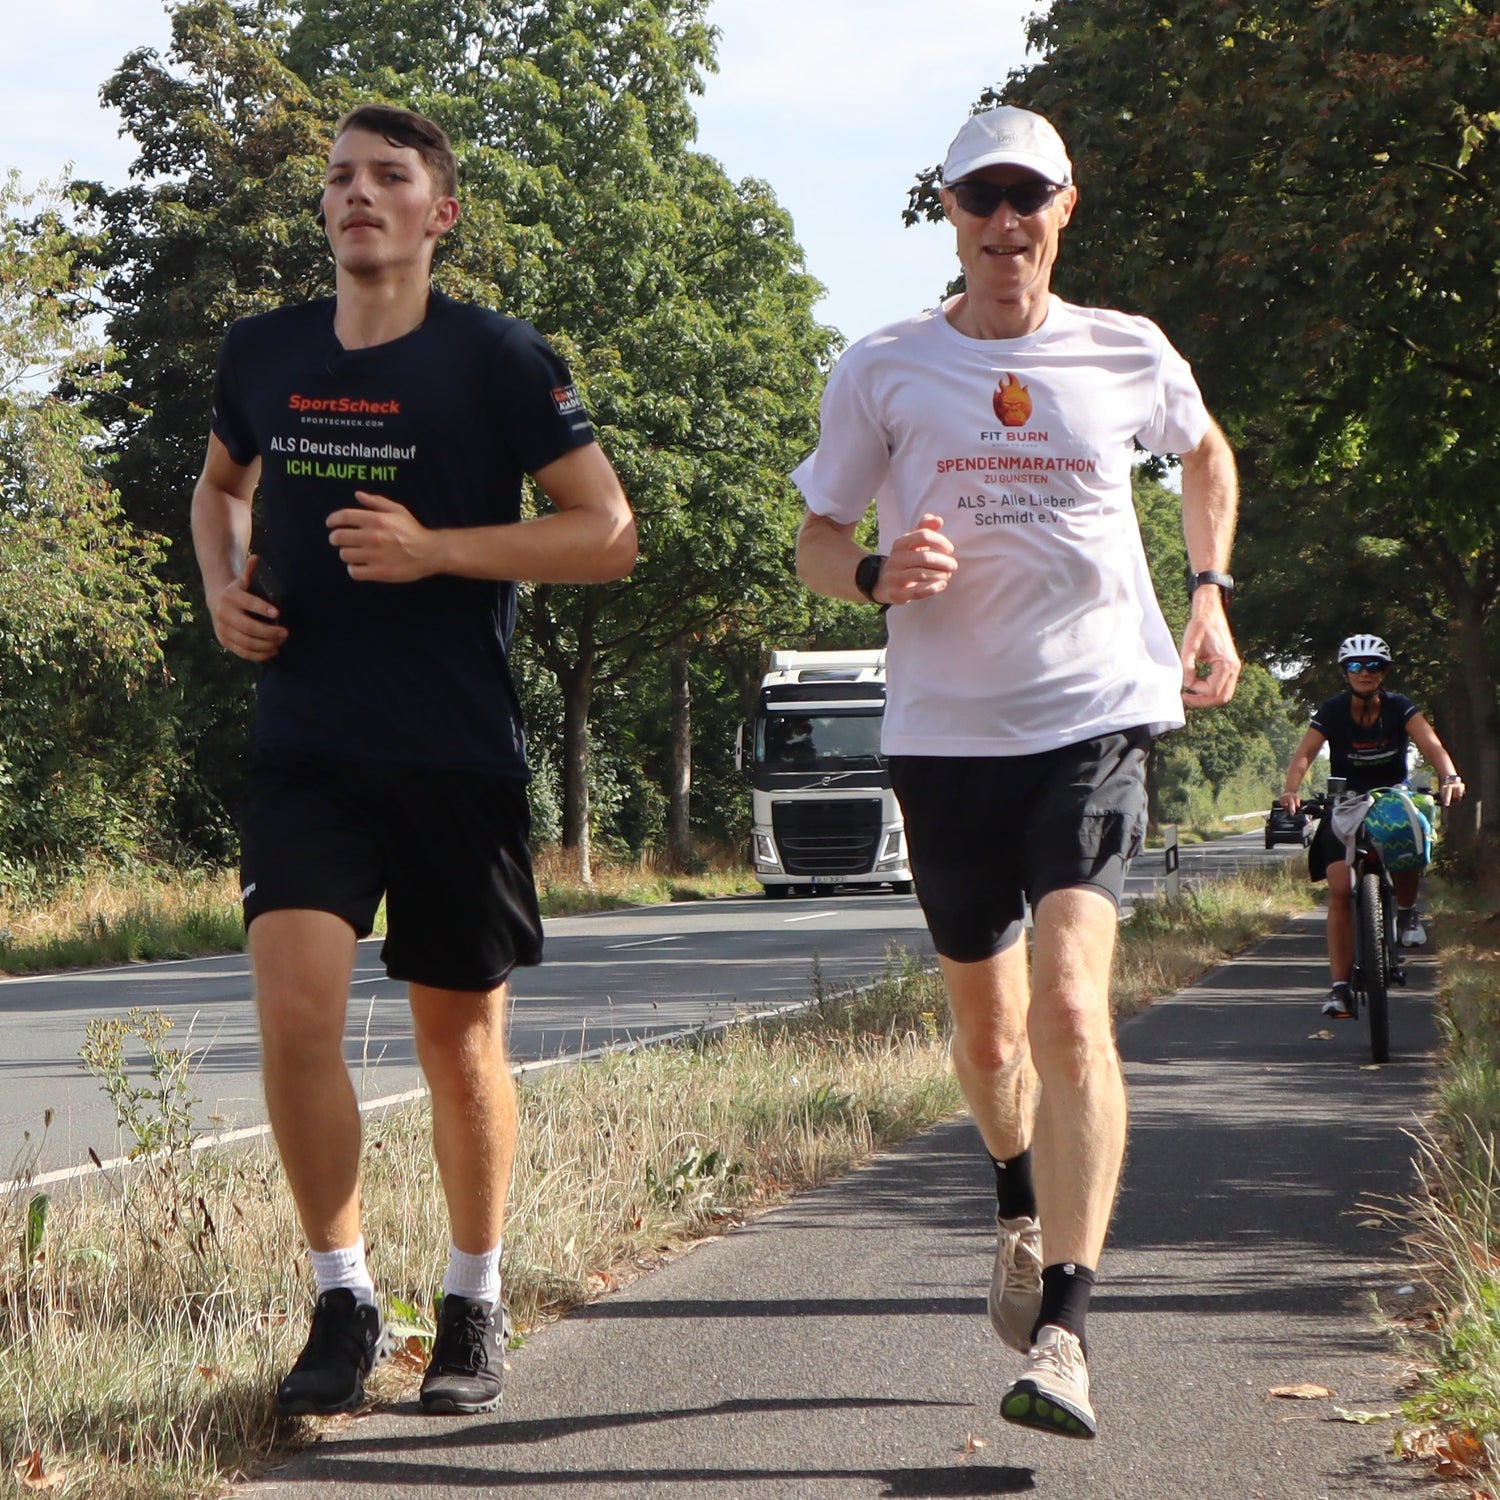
{"x": 344, "y": 1268}
{"x": 473, "y": 1276}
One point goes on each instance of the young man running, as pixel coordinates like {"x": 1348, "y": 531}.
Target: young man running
{"x": 1029, "y": 667}
{"x": 389, "y": 429}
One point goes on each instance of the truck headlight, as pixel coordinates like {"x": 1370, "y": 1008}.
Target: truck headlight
{"x": 892, "y": 849}
{"x": 765, "y": 850}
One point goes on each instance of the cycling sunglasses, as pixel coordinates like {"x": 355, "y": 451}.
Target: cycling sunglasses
{"x": 1351, "y": 667}
{"x": 980, "y": 198}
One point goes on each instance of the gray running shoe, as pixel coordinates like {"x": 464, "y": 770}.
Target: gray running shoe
{"x": 1053, "y": 1393}
{"x": 1016, "y": 1284}
{"x": 1340, "y": 1003}
{"x": 467, "y": 1371}
{"x": 1410, "y": 932}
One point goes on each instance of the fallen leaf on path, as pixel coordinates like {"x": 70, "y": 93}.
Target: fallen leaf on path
{"x": 971, "y": 1446}
{"x": 411, "y": 1353}
{"x": 34, "y": 1477}
{"x": 1306, "y": 1391}
{"x": 1321, "y": 1036}
{"x": 1363, "y": 1418}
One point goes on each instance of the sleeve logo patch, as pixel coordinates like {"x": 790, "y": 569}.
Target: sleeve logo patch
{"x": 567, "y": 400}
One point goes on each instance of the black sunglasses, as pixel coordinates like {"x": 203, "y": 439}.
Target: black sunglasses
{"x": 1351, "y": 667}
{"x": 980, "y": 198}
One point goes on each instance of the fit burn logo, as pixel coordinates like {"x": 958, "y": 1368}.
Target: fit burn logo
{"x": 1012, "y": 402}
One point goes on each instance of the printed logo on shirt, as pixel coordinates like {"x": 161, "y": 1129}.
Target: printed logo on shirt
{"x": 1012, "y": 402}
{"x": 567, "y": 400}
{"x": 344, "y": 405}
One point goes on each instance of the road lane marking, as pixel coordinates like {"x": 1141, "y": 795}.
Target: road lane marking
{"x": 811, "y": 916}
{"x": 643, "y": 943}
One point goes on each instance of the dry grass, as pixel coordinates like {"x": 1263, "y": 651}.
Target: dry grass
{"x": 1453, "y": 1224}
{"x": 649, "y": 880}
{"x": 115, "y": 916}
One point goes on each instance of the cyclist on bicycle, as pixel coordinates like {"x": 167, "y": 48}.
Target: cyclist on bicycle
{"x": 1367, "y": 730}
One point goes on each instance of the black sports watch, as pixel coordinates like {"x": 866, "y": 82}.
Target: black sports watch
{"x": 1223, "y": 580}
{"x": 867, "y": 574}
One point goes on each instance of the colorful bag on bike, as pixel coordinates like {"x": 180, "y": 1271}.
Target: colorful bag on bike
{"x": 1396, "y": 826}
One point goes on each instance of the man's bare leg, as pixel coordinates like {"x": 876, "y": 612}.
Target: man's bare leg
{"x": 303, "y": 961}
{"x": 1080, "y": 1128}
{"x": 461, "y": 1046}
{"x": 991, "y": 1055}
{"x": 460, "y": 1037}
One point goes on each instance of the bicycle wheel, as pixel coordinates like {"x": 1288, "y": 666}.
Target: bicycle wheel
{"x": 1369, "y": 909}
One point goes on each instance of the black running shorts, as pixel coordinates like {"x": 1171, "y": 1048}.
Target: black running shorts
{"x": 987, "y": 834}
{"x": 447, "y": 850}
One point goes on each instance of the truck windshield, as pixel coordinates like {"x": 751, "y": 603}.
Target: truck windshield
{"x": 808, "y": 742}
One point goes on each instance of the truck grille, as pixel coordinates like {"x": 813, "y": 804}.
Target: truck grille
{"x": 827, "y": 838}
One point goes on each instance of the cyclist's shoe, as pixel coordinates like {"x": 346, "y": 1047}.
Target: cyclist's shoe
{"x": 467, "y": 1370}
{"x": 348, "y": 1339}
{"x": 1340, "y": 1003}
{"x": 1052, "y": 1394}
{"x": 1016, "y": 1284}
{"x": 1410, "y": 932}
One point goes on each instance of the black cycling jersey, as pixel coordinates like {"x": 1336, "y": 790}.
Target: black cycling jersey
{"x": 1371, "y": 756}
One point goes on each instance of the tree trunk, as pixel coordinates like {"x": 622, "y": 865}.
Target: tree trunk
{"x": 1153, "y": 794}
{"x": 577, "y": 686}
{"x": 679, "y": 795}
{"x": 1474, "y": 739}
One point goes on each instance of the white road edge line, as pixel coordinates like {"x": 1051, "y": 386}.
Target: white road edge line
{"x": 387, "y": 1101}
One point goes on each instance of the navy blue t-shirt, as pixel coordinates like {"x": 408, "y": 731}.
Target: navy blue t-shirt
{"x": 1366, "y": 757}
{"x": 446, "y": 421}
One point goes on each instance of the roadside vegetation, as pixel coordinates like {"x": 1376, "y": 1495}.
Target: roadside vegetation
{"x": 1453, "y": 1224}
{"x": 145, "y": 1315}
{"x": 142, "y": 913}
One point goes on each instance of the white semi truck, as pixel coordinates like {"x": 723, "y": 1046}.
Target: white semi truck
{"x": 823, "y": 810}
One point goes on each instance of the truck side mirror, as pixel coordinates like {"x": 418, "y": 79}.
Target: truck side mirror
{"x": 739, "y": 747}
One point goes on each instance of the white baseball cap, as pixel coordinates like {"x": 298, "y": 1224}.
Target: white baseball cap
{"x": 1011, "y": 137}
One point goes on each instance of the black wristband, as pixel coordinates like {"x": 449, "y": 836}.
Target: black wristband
{"x": 1224, "y": 582}
{"x": 867, "y": 574}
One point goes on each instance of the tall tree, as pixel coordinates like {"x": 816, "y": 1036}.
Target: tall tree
{"x": 84, "y": 758}
{"x": 1305, "y": 196}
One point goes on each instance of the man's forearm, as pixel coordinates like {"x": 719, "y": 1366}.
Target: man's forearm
{"x": 1210, "y": 503}
{"x": 571, "y": 546}
{"x": 221, "y": 535}
{"x": 827, "y": 556}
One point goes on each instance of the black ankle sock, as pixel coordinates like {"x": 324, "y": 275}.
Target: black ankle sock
{"x": 1013, "y": 1190}
{"x": 1065, "y": 1298}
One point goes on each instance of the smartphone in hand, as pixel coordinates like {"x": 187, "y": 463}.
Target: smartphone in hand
{"x": 264, "y": 583}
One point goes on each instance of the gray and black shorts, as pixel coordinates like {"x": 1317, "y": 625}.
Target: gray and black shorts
{"x": 446, "y": 849}
{"x": 987, "y": 834}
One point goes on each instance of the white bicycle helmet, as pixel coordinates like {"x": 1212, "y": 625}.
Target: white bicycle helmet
{"x": 1363, "y": 645}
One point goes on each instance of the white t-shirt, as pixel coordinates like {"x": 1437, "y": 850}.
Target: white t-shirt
{"x": 1049, "y": 632}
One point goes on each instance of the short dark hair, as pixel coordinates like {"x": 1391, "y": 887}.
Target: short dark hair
{"x": 405, "y": 127}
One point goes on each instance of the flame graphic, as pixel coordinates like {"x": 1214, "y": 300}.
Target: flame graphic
{"x": 1012, "y": 402}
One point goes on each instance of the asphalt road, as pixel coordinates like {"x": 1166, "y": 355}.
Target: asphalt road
{"x": 839, "y": 1348}
{"x": 606, "y": 977}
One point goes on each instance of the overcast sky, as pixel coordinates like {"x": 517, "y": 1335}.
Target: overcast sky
{"x": 836, "y": 103}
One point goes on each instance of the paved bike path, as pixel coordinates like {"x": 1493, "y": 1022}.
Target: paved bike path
{"x": 838, "y": 1346}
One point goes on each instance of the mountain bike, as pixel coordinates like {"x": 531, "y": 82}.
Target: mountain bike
{"x": 1378, "y": 964}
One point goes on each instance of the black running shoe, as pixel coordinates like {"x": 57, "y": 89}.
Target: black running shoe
{"x": 467, "y": 1370}
{"x": 348, "y": 1339}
